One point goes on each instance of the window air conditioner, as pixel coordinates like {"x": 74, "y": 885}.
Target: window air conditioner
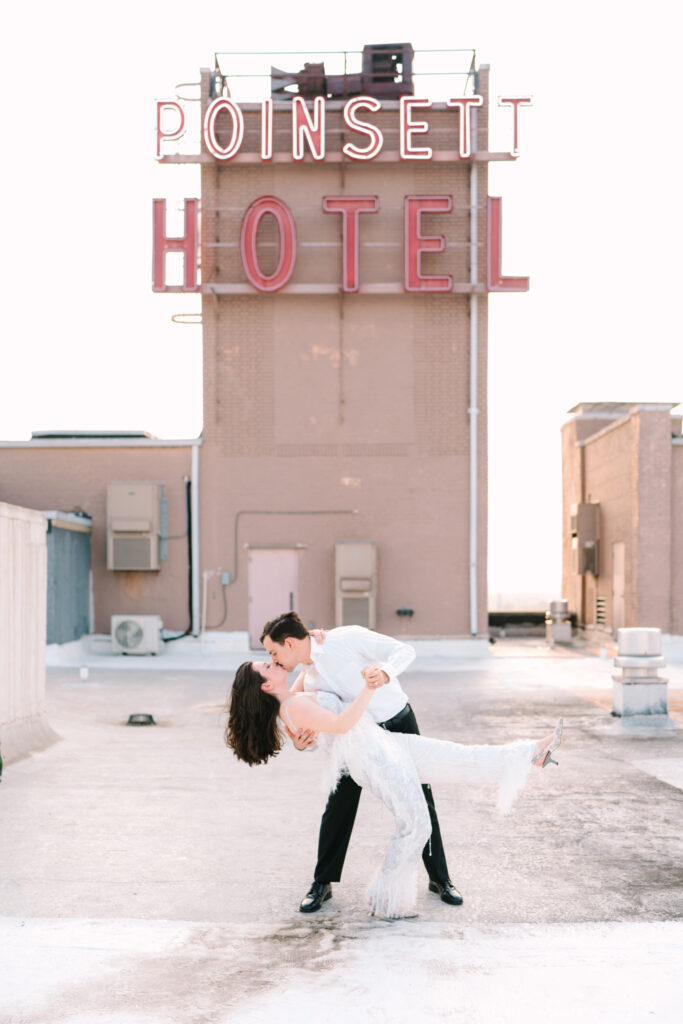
{"x": 134, "y": 526}
{"x": 136, "y": 634}
{"x": 355, "y": 583}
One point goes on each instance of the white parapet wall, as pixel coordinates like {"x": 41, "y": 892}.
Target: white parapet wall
{"x": 23, "y": 613}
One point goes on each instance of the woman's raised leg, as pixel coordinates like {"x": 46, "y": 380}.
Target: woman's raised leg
{"x": 506, "y": 766}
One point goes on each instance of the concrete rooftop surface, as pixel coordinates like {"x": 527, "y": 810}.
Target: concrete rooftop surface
{"x": 148, "y": 877}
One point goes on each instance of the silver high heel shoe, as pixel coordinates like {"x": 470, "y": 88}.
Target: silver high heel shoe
{"x": 543, "y": 757}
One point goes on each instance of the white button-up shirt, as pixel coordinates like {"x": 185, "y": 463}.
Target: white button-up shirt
{"x": 346, "y": 650}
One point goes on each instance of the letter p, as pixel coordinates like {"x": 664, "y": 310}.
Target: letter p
{"x": 178, "y": 132}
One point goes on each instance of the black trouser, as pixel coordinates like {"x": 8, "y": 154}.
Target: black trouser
{"x": 339, "y": 815}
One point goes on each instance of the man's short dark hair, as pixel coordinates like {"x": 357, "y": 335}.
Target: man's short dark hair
{"x": 287, "y": 624}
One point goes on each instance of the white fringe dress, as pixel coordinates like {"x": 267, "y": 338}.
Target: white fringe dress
{"x": 394, "y": 766}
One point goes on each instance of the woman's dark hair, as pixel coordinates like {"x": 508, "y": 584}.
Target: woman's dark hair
{"x": 287, "y": 624}
{"x": 252, "y": 731}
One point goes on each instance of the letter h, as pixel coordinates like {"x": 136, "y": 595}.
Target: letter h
{"x": 187, "y": 244}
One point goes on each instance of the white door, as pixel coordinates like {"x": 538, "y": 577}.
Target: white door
{"x": 273, "y": 587}
{"x": 618, "y": 586}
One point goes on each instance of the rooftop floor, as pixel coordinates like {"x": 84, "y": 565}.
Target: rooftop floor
{"x": 149, "y": 878}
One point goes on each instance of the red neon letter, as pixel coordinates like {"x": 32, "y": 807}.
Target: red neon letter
{"x": 212, "y": 143}
{"x": 408, "y": 128}
{"x": 371, "y": 130}
{"x": 267, "y": 129}
{"x": 415, "y": 243}
{"x": 250, "y": 223}
{"x": 465, "y": 133}
{"x": 350, "y": 208}
{"x": 312, "y": 128}
{"x": 163, "y": 244}
{"x": 495, "y": 282}
{"x": 515, "y": 102}
{"x": 163, "y": 105}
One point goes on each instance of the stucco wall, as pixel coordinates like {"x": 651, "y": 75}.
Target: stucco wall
{"x": 75, "y": 479}
{"x": 23, "y": 603}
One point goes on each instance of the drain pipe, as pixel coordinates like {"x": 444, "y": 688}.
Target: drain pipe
{"x": 473, "y": 409}
{"x": 194, "y": 505}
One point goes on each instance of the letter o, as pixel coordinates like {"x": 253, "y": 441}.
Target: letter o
{"x": 212, "y": 143}
{"x": 287, "y": 229}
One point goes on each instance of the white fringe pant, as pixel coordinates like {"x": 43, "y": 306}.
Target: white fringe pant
{"x": 393, "y": 766}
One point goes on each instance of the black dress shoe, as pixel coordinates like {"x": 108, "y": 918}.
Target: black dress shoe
{"x": 315, "y": 897}
{"x": 447, "y": 891}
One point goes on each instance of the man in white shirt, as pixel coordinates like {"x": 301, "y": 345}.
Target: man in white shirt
{"x": 336, "y": 666}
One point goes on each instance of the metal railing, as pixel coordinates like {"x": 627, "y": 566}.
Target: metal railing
{"x": 437, "y": 74}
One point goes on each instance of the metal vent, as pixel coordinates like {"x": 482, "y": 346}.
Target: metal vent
{"x": 355, "y": 611}
{"x": 132, "y": 552}
{"x": 600, "y": 611}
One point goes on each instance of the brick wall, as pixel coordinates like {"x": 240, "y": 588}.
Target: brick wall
{"x": 340, "y": 402}
{"x": 75, "y": 480}
{"x": 632, "y": 470}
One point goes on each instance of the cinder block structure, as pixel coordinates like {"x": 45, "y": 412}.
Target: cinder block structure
{"x": 622, "y": 508}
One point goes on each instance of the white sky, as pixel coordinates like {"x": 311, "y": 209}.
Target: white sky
{"x": 591, "y": 212}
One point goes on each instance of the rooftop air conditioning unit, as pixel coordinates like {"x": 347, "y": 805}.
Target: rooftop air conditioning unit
{"x": 136, "y": 634}
{"x": 134, "y": 526}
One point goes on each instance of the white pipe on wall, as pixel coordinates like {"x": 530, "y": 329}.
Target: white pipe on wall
{"x": 473, "y": 410}
{"x": 194, "y": 510}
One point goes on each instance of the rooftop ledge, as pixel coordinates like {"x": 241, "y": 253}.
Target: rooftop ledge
{"x": 612, "y": 410}
{"x": 385, "y": 157}
{"x": 392, "y": 288}
{"x": 116, "y": 441}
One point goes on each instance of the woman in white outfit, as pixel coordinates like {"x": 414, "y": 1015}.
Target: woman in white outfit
{"x": 392, "y": 765}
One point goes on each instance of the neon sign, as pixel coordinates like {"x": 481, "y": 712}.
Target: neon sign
{"x": 308, "y": 139}
{"x": 308, "y": 127}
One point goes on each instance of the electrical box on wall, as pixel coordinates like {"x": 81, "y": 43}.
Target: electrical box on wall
{"x": 585, "y": 533}
{"x": 355, "y": 578}
{"x": 133, "y": 525}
